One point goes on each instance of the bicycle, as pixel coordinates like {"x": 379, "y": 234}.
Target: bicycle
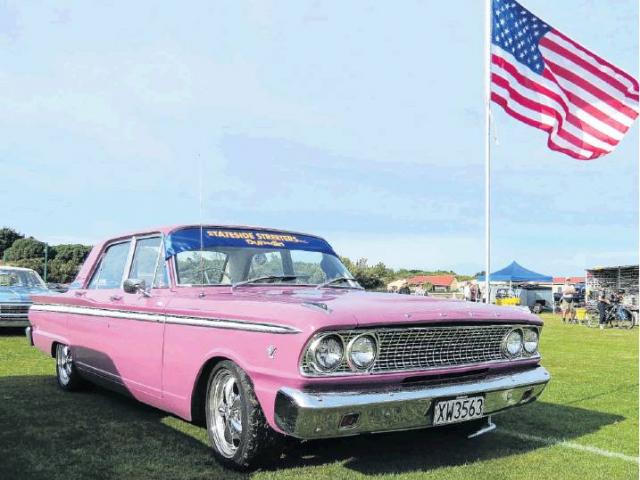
{"x": 616, "y": 316}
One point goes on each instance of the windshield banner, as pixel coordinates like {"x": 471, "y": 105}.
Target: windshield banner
{"x": 190, "y": 239}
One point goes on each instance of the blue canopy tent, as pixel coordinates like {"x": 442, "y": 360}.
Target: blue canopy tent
{"x": 516, "y": 273}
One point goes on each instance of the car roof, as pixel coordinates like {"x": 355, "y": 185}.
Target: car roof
{"x": 168, "y": 229}
{"x": 19, "y": 269}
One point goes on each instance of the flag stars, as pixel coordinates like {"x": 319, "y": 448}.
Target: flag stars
{"x": 518, "y": 32}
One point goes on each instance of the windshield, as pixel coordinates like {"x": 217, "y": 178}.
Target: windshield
{"x": 20, "y": 278}
{"x": 232, "y": 256}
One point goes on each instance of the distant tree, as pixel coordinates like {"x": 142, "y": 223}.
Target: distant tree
{"x": 36, "y": 264}
{"x": 61, "y": 272}
{"x": 371, "y": 278}
{"x": 428, "y": 287}
{"x": 63, "y": 262}
{"x": 7, "y": 237}
{"x": 24, "y": 249}
{"x": 464, "y": 278}
{"x": 68, "y": 260}
{"x": 75, "y": 252}
{"x": 479, "y": 274}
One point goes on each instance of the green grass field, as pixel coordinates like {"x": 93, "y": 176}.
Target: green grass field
{"x": 585, "y": 426}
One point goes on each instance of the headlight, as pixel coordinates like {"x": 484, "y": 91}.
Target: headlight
{"x": 530, "y": 340}
{"x": 362, "y": 352}
{"x": 327, "y": 352}
{"x": 513, "y": 343}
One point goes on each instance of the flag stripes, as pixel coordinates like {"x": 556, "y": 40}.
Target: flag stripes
{"x": 546, "y": 80}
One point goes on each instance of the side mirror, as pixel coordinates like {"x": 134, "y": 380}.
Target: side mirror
{"x": 134, "y": 285}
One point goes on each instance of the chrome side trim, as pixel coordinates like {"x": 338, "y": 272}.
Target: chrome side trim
{"x": 308, "y": 414}
{"x": 173, "y": 319}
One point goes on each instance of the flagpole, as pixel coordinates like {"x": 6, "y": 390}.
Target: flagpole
{"x": 487, "y": 147}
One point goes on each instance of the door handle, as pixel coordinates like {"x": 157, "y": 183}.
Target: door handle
{"x": 79, "y": 294}
{"x": 115, "y": 298}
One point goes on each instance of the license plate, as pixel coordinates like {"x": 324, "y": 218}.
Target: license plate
{"x": 458, "y": 410}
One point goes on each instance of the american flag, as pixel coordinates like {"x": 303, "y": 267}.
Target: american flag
{"x": 546, "y": 80}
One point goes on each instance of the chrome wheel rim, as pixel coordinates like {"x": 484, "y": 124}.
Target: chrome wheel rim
{"x": 65, "y": 364}
{"x": 225, "y": 413}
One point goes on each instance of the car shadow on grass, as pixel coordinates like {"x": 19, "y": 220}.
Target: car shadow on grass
{"x": 12, "y": 331}
{"x": 47, "y": 433}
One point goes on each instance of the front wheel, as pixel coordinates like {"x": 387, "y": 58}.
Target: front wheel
{"x": 592, "y": 319}
{"x": 626, "y": 319}
{"x": 66, "y": 373}
{"x": 240, "y": 436}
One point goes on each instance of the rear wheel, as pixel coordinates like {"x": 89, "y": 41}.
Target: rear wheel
{"x": 66, "y": 372}
{"x": 240, "y": 436}
{"x": 626, "y": 319}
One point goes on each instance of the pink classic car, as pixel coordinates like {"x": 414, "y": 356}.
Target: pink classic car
{"x": 263, "y": 334}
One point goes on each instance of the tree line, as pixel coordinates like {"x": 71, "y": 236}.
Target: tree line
{"x": 63, "y": 261}
{"x": 376, "y": 277}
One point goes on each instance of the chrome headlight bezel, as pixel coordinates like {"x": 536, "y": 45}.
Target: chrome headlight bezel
{"x": 536, "y": 332}
{"x": 313, "y": 349}
{"x": 375, "y": 351}
{"x": 505, "y": 341}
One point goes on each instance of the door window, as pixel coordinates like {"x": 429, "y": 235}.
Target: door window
{"x": 148, "y": 264}
{"x": 111, "y": 269}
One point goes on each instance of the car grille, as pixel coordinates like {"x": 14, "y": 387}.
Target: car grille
{"x": 425, "y": 348}
{"x": 14, "y": 311}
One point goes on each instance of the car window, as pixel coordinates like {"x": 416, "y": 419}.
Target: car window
{"x": 20, "y": 278}
{"x": 208, "y": 267}
{"x": 161, "y": 278}
{"x": 147, "y": 263}
{"x": 111, "y": 269}
{"x": 264, "y": 264}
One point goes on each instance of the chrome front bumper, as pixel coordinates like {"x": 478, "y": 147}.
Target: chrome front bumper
{"x": 308, "y": 415}
{"x": 19, "y": 322}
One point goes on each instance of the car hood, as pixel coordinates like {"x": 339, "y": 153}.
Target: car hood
{"x": 308, "y": 308}
{"x": 20, "y": 294}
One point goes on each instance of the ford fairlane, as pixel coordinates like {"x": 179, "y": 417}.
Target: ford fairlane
{"x": 263, "y": 334}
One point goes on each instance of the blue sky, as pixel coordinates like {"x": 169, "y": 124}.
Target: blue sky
{"x": 359, "y": 121}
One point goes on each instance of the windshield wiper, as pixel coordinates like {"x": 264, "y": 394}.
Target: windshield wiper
{"x": 265, "y": 277}
{"x": 328, "y": 283}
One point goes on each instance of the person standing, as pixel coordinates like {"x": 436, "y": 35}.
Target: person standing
{"x": 467, "y": 292}
{"x": 603, "y": 303}
{"x": 566, "y": 305}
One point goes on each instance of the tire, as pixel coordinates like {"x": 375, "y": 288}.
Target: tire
{"x": 66, "y": 373}
{"x": 240, "y": 436}
{"x": 628, "y": 321}
{"x": 592, "y": 319}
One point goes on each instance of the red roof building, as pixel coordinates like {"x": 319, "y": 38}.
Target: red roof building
{"x": 558, "y": 280}
{"x": 435, "y": 280}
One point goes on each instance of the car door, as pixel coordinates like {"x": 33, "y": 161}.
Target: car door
{"x": 136, "y": 336}
{"x": 92, "y": 346}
